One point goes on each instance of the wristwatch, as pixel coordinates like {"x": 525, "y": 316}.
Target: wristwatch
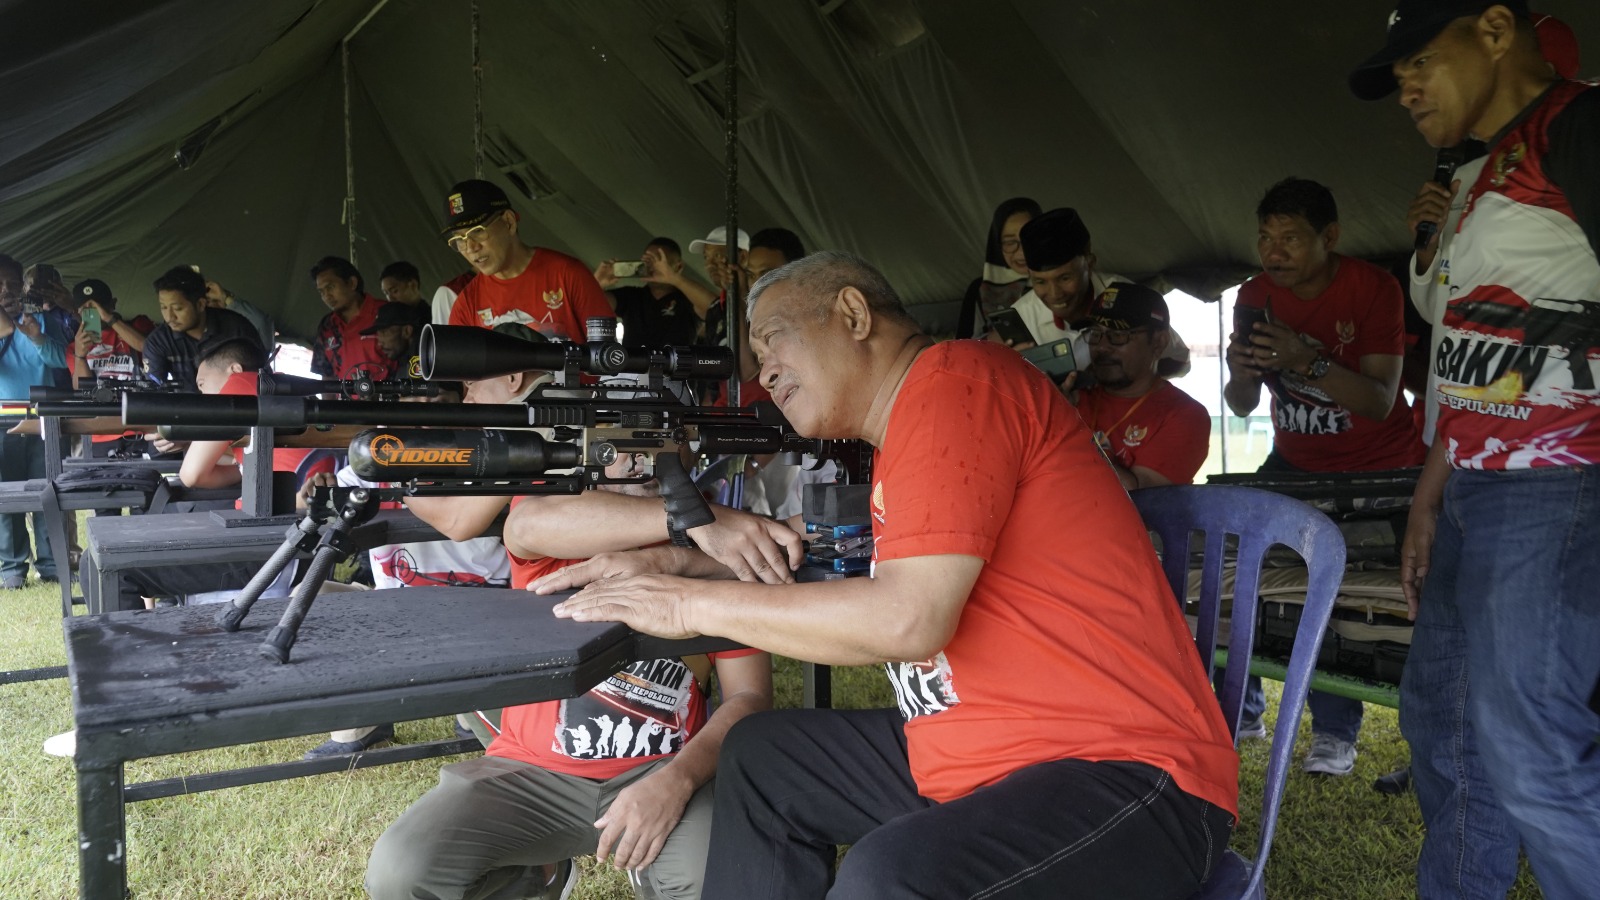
{"x": 1318, "y": 368}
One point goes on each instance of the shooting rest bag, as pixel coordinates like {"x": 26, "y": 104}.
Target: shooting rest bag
{"x": 108, "y": 478}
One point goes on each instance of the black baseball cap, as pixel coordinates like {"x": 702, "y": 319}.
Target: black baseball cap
{"x": 1054, "y": 239}
{"x": 471, "y": 203}
{"x": 1124, "y": 306}
{"x": 1411, "y": 26}
{"x": 93, "y": 289}
{"x": 392, "y": 314}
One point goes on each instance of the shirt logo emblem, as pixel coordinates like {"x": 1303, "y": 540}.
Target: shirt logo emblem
{"x": 555, "y": 298}
{"x": 1506, "y": 162}
{"x": 1134, "y": 436}
{"x": 877, "y": 501}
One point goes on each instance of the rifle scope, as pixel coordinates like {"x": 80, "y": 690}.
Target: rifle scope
{"x": 470, "y": 354}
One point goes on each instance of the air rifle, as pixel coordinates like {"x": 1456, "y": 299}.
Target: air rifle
{"x": 436, "y": 449}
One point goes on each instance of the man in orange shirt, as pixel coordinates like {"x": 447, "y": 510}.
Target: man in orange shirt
{"x": 549, "y": 292}
{"x": 1051, "y": 699}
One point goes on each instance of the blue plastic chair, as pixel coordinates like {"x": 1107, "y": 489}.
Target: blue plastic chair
{"x": 1259, "y": 519}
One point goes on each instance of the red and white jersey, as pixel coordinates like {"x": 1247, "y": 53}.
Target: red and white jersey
{"x": 1518, "y": 363}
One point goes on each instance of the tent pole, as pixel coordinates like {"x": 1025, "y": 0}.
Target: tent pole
{"x": 733, "y": 310}
{"x": 349, "y": 159}
{"x": 477, "y": 98}
{"x": 1222, "y": 382}
{"x": 349, "y": 215}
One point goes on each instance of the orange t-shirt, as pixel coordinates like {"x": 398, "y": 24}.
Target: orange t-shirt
{"x": 553, "y": 296}
{"x": 1071, "y": 645}
{"x": 641, "y": 714}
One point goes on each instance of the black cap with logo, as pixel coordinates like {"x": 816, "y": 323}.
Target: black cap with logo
{"x": 1411, "y": 26}
{"x": 1124, "y": 306}
{"x": 472, "y": 203}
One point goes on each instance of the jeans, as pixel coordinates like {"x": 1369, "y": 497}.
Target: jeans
{"x": 21, "y": 459}
{"x": 1494, "y": 699}
{"x": 794, "y": 784}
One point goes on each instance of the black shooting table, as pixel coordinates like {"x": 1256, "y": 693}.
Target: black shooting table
{"x": 162, "y": 681}
{"x": 118, "y": 545}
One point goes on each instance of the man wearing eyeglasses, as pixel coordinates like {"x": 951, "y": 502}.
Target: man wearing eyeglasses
{"x": 548, "y": 291}
{"x": 1152, "y": 432}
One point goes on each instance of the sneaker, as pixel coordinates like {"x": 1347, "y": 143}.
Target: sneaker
{"x": 1330, "y": 756}
{"x": 13, "y": 582}
{"x": 64, "y": 745}
{"x": 49, "y": 579}
{"x": 1253, "y": 729}
{"x": 549, "y": 881}
{"x": 380, "y": 735}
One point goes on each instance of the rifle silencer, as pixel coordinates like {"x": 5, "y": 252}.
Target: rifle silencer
{"x": 76, "y": 409}
{"x": 402, "y": 454}
{"x": 151, "y": 408}
{"x": 469, "y": 354}
{"x": 41, "y": 393}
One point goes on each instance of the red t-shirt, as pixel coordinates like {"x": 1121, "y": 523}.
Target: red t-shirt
{"x": 342, "y": 351}
{"x": 1165, "y": 430}
{"x": 639, "y": 715}
{"x": 284, "y": 459}
{"x": 553, "y": 295}
{"x": 1071, "y": 645}
{"x": 1360, "y": 313}
{"x": 112, "y": 358}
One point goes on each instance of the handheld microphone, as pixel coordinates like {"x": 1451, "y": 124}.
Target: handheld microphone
{"x": 1444, "y": 171}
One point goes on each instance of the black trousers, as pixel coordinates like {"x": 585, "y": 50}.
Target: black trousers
{"x": 793, "y": 785}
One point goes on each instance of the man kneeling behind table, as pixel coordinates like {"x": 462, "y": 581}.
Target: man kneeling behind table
{"x": 622, "y": 771}
{"x": 1056, "y": 736}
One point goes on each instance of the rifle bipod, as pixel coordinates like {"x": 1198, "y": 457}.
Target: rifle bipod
{"x": 330, "y": 540}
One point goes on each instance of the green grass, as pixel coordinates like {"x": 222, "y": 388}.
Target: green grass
{"x": 309, "y": 837}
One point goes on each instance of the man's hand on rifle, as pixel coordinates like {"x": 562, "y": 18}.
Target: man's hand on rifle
{"x": 754, "y": 548}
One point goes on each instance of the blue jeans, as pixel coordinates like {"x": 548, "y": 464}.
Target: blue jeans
{"x": 1331, "y": 714}
{"x": 1494, "y": 700}
{"x": 21, "y": 459}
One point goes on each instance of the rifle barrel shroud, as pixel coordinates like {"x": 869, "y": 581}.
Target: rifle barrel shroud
{"x": 720, "y": 430}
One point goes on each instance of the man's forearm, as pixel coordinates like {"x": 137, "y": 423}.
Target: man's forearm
{"x": 700, "y": 296}
{"x": 696, "y": 763}
{"x": 578, "y": 526}
{"x": 129, "y": 334}
{"x": 1243, "y": 395}
{"x": 1429, "y": 493}
{"x": 839, "y": 623}
{"x": 458, "y": 518}
{"x": 1363, "y": 395}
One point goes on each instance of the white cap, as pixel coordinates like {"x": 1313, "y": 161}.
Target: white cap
{"x": 719, "y": 238}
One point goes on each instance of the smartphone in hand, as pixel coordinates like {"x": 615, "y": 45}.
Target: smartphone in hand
{"x": 1245, "y": 319}
{"x": 1009, "y": 325}
{"x": 91, "y": 320}
{"x": 627, "y": 269}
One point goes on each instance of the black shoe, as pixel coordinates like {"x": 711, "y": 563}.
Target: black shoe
{"x": 380, "y": 735}
{"x": 49, "y": 579}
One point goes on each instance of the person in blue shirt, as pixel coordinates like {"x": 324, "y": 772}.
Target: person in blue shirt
{"x": 27, "y": 352}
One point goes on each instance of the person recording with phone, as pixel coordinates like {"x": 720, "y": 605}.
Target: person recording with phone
{"x": 657, "y": 312}
{"x": 1064, "y": 284}
{"x": 107, "y": 346}
{"x": 1325, "y": 334}
{"x": 27, "y": 352}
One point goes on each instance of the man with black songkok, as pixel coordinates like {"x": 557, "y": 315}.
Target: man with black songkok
{"x": 1061, "y": 272}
